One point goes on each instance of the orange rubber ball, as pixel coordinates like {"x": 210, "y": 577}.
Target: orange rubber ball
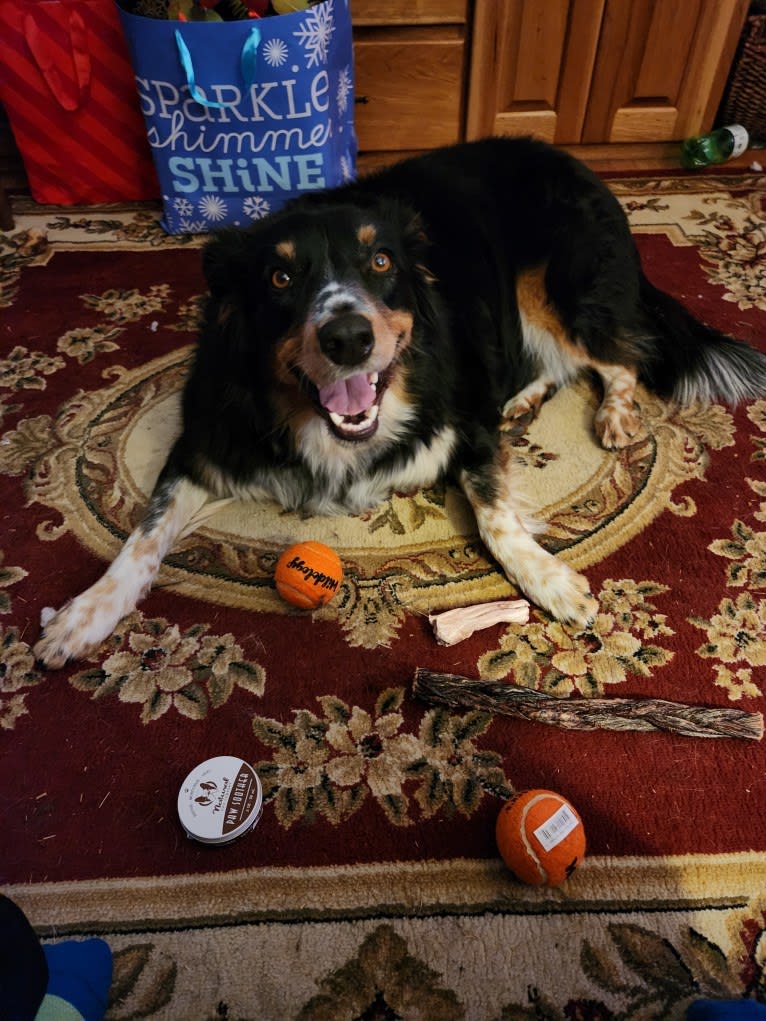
{"x": 540, "y": 837}
{"x": 308, "y": 574}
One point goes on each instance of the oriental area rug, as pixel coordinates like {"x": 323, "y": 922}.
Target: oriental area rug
{"x": 372, "y": 888}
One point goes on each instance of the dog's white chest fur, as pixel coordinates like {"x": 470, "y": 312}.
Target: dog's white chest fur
{"x": 348, "y": 481}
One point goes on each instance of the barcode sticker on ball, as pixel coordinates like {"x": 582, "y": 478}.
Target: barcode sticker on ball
{"x": 553, "y": 830}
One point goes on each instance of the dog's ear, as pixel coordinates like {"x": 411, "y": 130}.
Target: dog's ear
{"x": 417, "y": 242}
{"x": 414, "y": 228}
{"x": 225, "y": 261}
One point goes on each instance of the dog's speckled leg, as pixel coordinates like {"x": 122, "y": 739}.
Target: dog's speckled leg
{"x": 545, "y": 579}
{"x": 617, "y": 421}
{"x": 85, "y": 621}
{"x": 527, "y": 401}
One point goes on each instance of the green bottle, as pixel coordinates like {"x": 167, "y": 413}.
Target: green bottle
{"x": 716, "y": 147}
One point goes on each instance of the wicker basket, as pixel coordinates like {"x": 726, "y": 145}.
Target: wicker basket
{"x": 744, "y": 100}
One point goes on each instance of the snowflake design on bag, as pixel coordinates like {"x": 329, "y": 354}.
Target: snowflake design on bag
{"x": 212, "y": 207}
{"x": 183, "y": 207}
{"x": 275, "y": 52}
{"x": 315, "y": 32}
{"x": 187, "y": 226}
{"x": 256, "y": 207}
{"x": 345, "y": 88}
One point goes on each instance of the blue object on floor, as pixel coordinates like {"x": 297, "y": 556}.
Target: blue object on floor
{"x": 79, "y": 977}
{"x": 726, "y": 1010}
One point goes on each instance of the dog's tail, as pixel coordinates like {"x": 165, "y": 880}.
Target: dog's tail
{"x": 693, "y": 361}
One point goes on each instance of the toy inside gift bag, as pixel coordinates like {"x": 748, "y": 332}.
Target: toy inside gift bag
{"x": 245, "y": 113}
{"x": 67, "y": 85}
{"x": 215, "y": 10}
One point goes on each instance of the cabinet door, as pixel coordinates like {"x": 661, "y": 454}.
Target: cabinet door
{"x": 409, "y": 87}
{"x": 532, "y": 64}
{"x": 594, "y": 71}
{"x": 661, "y": 68}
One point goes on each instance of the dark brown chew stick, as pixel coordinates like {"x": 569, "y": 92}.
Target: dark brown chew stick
{"x": 586, "y": 713}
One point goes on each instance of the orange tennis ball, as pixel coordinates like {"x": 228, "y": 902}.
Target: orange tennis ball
{"x": 308, "y": 574}
{"x": 541, "y": 837}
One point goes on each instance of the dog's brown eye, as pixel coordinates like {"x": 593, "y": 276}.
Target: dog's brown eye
{"x": 381, "y": 262}
{"x": 280, "y": 279}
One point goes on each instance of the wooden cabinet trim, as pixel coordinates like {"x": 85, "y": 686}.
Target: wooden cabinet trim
{"x": 409, "y": 12}
{"x": 414, "y": 34}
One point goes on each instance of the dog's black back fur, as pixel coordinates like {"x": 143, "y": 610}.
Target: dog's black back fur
{"x": 509, "y": 204}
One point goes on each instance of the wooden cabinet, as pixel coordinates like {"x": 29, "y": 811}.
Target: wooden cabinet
{"x": 411, "y": 72}
{"x": 600, "y": 71}
{"x": 582, "y": 73}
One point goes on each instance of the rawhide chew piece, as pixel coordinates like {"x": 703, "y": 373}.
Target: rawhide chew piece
{"x": 587, "y": 713}
{"x": 453, "y": 626}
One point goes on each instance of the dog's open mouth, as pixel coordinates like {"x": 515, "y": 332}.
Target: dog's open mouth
{"x": 351, "y": 406}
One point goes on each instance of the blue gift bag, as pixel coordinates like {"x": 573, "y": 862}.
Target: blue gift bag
{"x": 243, "y": 115}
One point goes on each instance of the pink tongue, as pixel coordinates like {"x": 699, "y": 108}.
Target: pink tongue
{"x": 348, "y": 396}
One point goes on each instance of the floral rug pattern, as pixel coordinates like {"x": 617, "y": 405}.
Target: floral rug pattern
{"x": 371, "y": 888}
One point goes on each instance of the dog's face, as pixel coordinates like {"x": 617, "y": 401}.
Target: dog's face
{"x": 329, "y": 297}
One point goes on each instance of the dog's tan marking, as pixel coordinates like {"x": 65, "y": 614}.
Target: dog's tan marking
{"x": 286, "y": 250}
{"x": 617, "y": 422}
{"x": 367, "y": 234}
{"x": 399, "y": 320}
{"x": 288, "y": 353}
{"x": 398, "y": 387}
{"x": 542, "y": 577}
{"x": 559, "y": 358}
{"x": 399, "y": 323}
{"x": 532, "y": 297}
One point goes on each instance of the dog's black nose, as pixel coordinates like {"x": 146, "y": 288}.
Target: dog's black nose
{"x": 346, "y": 339}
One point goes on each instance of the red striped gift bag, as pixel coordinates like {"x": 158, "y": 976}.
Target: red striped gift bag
{"x": 69, "y": 91}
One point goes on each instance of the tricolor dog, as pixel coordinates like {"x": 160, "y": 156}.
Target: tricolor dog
{"x": 381, "y": 336}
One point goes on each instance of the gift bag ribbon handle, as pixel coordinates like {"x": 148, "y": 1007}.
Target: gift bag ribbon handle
{"x": 247, "y": 65}
{"x": 69, "y": 94}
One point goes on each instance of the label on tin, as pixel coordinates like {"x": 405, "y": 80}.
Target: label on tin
{"x": 241, "y": 800}
{"x": 220, "y": 799}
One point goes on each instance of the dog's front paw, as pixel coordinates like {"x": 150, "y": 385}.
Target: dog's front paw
{"x": 616, "y": 426}
{"x": 565, "y": 594}
{"x": 57, "y": 643}
{"x": 73, "y": 632}
{"x": 574, "y": 603}
{"x": 526, "y": 403}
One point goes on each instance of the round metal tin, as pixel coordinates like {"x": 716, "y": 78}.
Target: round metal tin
{"x": 221, "y": 799}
